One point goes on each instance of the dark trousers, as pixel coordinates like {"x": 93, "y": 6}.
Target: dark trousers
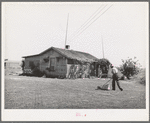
{"x": 115, "y": 78}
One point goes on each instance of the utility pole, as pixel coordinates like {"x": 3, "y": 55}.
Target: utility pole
{"x": 102, "y": 46}
{"x": 66, "y": 31}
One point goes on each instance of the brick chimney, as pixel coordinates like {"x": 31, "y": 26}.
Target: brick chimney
{"x": 67, "y": 47}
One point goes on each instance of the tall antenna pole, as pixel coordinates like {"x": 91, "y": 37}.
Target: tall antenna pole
{"x": 66, "y": 30}
{"x": 102, "y": 46}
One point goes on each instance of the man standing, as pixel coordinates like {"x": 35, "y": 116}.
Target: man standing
{"x": 115, "y": 78}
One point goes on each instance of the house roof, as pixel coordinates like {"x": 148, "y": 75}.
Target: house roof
{"x": 71, "y": 54}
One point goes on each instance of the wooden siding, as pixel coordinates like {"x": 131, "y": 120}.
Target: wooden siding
{"x": 35, "y": 59}
{"x": 60, "y": 65}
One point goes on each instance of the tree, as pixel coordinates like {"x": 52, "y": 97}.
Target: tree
{"x": 104, "y": 64}
{"x": 104, "y": 61}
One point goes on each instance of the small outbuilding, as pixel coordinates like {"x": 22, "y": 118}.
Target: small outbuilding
{"x": 56, "y": 62}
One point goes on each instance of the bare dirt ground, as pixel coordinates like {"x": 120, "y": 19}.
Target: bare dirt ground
{"x": 22, "y": 92}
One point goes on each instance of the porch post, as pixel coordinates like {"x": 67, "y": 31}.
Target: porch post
{"x": 95, "y": 69}
{"x": 66, "y": 67}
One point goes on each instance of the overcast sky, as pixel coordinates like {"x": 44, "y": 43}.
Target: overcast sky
{"x": 30, "y": 28}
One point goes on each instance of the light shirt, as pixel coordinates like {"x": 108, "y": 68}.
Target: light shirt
{"x": 114, "y": 70}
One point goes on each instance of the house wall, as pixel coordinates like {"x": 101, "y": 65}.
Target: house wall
{"x": 60, "y": 65}
{"x": 35, "y": 59}
{"x": 50, "y": 54}
{"x": 60, "y": 68}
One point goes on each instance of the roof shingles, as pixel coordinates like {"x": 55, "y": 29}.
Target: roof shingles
{"x": 81, "y": 56}
{"x": 71, "y": 54}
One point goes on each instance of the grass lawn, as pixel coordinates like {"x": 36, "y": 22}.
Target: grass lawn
{"x": 23, "y": 92}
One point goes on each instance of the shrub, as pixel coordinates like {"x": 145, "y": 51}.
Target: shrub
{"x": 129, "y": 67}
{"x": 35, "y": 69}
{"x": 22, "y": 64}
{"x": 37, "y": 72}
{"x": 104, "y": 64}
{"x": 142, "y": 81}
{"x": 104, "y": 61}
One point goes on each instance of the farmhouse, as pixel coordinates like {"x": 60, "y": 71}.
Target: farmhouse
{"x": 57, "y": 62}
